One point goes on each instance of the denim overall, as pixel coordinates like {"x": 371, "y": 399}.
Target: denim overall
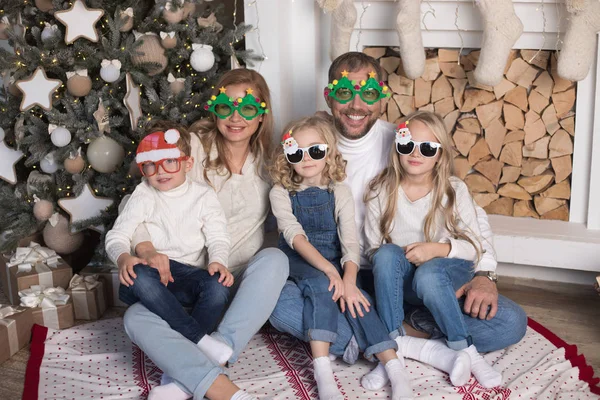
{"x": 314, "y": 208}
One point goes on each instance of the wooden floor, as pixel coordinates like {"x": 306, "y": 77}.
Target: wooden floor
{"x": 570, "y": 311}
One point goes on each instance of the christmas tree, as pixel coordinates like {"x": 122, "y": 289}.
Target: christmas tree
{"x": 81, "y": 81}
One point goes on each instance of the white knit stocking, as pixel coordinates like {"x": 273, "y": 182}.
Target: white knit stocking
{"x": 408, "y": 24}
{"x": 579, "y": 43}
{"x": 342, "y": 20}
{"x": 501, "y": 29}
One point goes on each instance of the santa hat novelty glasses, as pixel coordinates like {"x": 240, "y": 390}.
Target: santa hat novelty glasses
{"x": 249, "y": 107}
{"x": 405, "y": 145}
{"x": 159, "y": 149}
{"x": 344, "y": 90}
{"x": 295, "y": 154}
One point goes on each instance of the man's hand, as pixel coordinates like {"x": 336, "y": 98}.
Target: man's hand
{"x": 160, "y": 262}
{"x": 226, "y": 278}
{"x": 420, "y": 253}
{"x": 125, "y": 262}
{"x": 354, "y": 299}
{"x": 481, "y": 294}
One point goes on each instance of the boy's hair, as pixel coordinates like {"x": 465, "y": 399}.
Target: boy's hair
{"x": 352, "y": 62}
{"x": 387, "y": 184}
{"x": 283, "y": 173}
{"x": 183, "y": 143}
{"x": 260, "y": 142}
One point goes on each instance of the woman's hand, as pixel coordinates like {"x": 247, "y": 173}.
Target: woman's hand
{"x": 335, "y": 283}
{"x": 420, "y": 253}
{"x": 226, "y": 278}
{"x": 354, "y": 299}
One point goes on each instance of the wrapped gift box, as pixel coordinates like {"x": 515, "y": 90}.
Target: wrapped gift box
{"x": 109, "y": 275}
{"x": 88, "y": 297}
{"x": 15, "y": 330}
{"x": 32, "y": 265}
{"x": 51, "y": 307}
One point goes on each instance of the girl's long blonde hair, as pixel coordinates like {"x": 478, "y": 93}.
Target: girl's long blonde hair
{"x": 387, "y": 184}
{"x": 283, "y": 173}
{"x": 209, "y": 135}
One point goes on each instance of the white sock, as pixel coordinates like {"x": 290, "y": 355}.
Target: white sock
{"x": 579, "y": 42}
{"x": 485, "y": 374}
{"x": 169, "y": 391}
{"x": 408, "y": 25}
{"x": 501, "y": 29}
{"x": 241, "y": 395}
{"x": 396, "y": 370}
{"x": 376, "y": 379}
{"x": 437, "y": 354}
{"x": 214, "y": 349}
{"x": 332, "y": 357}
{"x": 326, "y": 385}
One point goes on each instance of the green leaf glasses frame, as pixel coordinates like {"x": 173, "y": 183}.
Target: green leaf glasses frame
{"x": 249, "y": 107}
{"x": 344, "y": 90}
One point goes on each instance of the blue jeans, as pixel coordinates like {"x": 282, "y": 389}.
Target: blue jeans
{"x": 433, "y": 285}
{"x": 256, "y": 290}
{"x": 506, "y": 328}
{"x": 192, "y": 287}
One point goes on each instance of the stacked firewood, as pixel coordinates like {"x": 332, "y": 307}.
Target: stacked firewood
{"x": 514, "y": 141}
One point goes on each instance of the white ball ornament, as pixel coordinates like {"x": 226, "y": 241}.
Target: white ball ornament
{"x": 110, "y": 70}
{"x": 48, "y": 164}
{"x": 202, "y": 58}
{"x": 105, "y": 155}
{"x": 2, "y": 134}
{"x": 43, "y": 210}
{"x": 60, "y": 136}
{"x": 50, "y": 31}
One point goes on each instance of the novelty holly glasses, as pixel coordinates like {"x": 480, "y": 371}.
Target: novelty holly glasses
{"x": 344, "y": 90}
{"x": 316, "y": 152}
{"x": 169, "y": 165}
{"x": 249, "y": 107}
{"x": 427, "y": 149}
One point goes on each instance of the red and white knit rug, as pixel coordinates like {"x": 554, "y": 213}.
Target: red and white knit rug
{"x": 97, "y": 361}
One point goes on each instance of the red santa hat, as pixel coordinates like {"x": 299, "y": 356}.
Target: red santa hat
{"x": 158, "y": 146}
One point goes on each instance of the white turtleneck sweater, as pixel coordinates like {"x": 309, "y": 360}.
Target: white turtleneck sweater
{"x": 366, "y": 158}
{"x": 183, "y": 223}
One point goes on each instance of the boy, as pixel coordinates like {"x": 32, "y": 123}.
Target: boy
{"x": 185, "y": 221}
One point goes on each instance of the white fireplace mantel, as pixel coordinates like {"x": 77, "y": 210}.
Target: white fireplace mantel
{"x": 294, "y": 35}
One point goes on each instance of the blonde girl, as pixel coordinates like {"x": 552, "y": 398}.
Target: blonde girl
{"x": 421, "y": 226}
{"x": 315, "y": 216}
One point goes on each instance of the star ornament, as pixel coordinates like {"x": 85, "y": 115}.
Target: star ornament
{"x": 132, "y": 101}
{"x": 372, "y": 74}
{"x": 85, "y": 206}
{"x": 344, "y": 73}
{"x": 38, "y": 90}
{"x": 80, "y": 21}
{"x": 8, "y": 159}
{"x": 222, "y": 89}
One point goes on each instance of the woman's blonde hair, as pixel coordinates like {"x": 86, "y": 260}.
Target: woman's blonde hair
{"x": 209, "y": 135}
{"x": 387, "y": 184}
{"x": 283, "y": 173}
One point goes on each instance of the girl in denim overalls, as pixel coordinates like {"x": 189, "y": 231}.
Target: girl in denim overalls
{"x": 315, "y": 216}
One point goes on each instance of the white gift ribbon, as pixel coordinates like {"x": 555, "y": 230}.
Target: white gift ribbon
{"x": 106, "y": 63}
{"x": 52, "y": 127}
{"x": 79, "y": 72}
{"x": 47, "y": 299}
{"x": 11, "y": 327}
{"x": 196, "y": 46}
{"x": 26, "y": 258}
{"x": 138, "y": 35}
{"x": 80, "y": 287}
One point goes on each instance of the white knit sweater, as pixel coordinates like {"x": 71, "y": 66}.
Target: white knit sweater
{"x": 183, "y": 223}
{"x": 409, "y": 221}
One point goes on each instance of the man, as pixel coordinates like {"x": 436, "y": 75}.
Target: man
{"x": 364, "y": 140}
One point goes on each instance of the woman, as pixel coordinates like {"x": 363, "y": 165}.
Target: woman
{"x": 230, "y": 149}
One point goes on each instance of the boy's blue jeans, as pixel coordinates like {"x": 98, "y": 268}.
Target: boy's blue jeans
{"x": 192, "y": 287}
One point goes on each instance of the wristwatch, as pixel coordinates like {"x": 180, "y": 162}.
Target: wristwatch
{"x": 491, "y": 275}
